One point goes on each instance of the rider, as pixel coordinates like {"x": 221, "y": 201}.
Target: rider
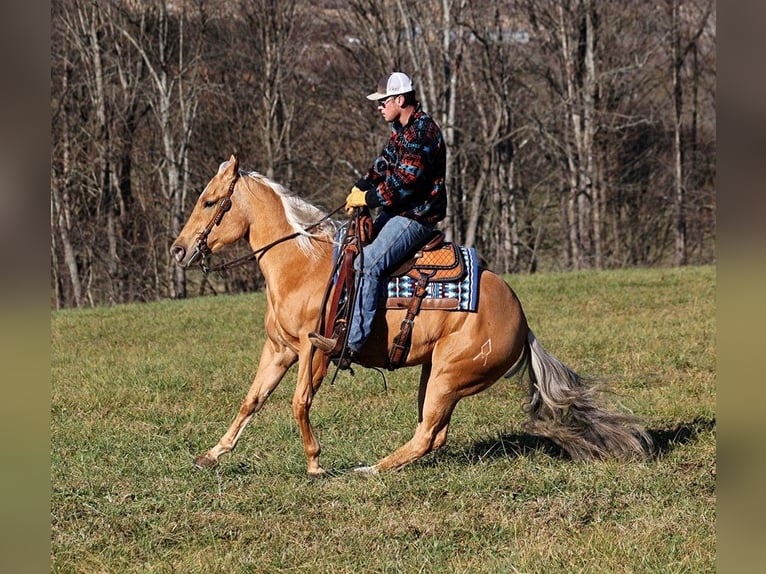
{"x": 407, "y": 181}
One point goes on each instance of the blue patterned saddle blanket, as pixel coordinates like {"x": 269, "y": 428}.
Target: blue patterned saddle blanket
{"x": 455, "y": 293}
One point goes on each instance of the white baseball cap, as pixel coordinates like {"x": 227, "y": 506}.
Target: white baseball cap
{"x": 393, "y": 85}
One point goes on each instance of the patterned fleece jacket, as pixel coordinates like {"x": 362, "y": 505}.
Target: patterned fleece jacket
{"x": 407, "y": 178}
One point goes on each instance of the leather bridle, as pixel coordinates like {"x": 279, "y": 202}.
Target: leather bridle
{"x": 201, "y": 248}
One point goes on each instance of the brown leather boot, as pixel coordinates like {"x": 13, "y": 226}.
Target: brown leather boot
{"x": 324, "y": 344}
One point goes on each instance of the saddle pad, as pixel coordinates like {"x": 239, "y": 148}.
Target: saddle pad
{"x": 461, "y": 295}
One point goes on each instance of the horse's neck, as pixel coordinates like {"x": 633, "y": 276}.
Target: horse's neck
{"x": 286, "y": 267}
{"x": 289, "y": 271}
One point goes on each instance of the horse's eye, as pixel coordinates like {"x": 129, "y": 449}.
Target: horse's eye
{"x": 209, "y": 204}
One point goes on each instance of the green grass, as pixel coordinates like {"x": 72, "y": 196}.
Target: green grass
{"x": 139, "y": 390}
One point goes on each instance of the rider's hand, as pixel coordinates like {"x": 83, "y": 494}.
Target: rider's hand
{"x": 355, "y": 199}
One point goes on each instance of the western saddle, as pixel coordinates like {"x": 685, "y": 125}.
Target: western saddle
{"x": 437, "y": 260}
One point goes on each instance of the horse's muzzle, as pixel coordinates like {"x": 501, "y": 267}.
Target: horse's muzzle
{"x": 179, "y": 254}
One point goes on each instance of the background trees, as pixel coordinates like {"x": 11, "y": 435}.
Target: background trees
{"x": 581, "y": 134}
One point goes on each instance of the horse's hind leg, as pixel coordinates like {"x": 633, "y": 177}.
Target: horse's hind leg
{"x": 275, "y": 360}
{"x": 453, "y": 376}
{"x": 436, "y": 403}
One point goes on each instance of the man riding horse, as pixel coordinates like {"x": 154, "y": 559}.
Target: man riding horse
{"x": 407, "y": 181}
{"x": 459, "y": 353}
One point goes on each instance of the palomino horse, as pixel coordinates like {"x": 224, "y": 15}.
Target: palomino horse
{"x": 461, "y": 353}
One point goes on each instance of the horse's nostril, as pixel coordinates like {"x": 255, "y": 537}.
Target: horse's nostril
{"x": 178, "y": 252}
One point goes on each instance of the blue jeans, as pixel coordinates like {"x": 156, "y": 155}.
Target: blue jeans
{"x": 397, "y": 237}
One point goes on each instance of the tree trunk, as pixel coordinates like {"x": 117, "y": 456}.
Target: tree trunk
{"x": 61, "y": 216}
{"x": 175, "y": 106}
{"x": 589, "y": 182}
{"x": 679, "y": 193}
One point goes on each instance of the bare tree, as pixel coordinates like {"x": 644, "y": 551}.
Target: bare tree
{"x": 171, "y": 48}
{"x": 271, "y": 47}
{"x": 567, "y": 30}
{"x": 489, "y": 76}
{"x": 63, "y": 220}
{"x": 680, "y": 50}
{"x": 569, "y": 144}
{"x": 84, "y": 29}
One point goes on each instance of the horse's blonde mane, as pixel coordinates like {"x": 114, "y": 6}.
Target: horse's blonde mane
{"x": 300, "y": 214}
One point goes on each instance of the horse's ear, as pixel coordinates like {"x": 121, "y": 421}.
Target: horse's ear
{"x": 231, "y": 167}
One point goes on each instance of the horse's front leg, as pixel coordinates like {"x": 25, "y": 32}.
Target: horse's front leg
{"x": 276, "y": 358}
{"x": 309, "y": 379}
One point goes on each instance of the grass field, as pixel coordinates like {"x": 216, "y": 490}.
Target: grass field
{"x": 139, "y": 390}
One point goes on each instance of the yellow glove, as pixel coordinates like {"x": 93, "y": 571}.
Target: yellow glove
{"x": 355, "y": 199}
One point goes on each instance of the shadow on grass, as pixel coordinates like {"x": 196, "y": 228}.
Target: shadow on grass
{"x": 665, "y": 440}
{"x": 518, "y": 445}
{"x": 511, "y": 446}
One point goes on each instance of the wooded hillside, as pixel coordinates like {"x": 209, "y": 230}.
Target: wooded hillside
{"x": 581, "y": 134}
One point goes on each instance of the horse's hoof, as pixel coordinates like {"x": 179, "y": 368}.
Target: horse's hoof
{"x": 316, "y": 474}
{"x": 205, "y": 461}
{"x": 371, "y": 470}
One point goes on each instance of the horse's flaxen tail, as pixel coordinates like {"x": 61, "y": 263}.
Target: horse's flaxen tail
{"x": 564, "y": 409}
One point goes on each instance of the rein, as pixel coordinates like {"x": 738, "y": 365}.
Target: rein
{"x": 202, "y": 250}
